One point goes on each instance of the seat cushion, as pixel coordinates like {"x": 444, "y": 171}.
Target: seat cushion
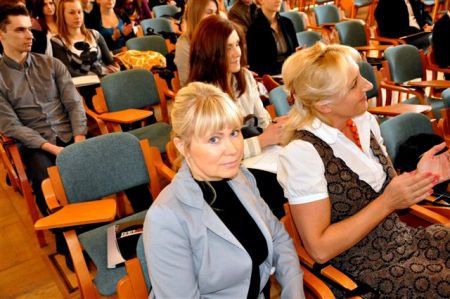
{"x": 158, "y": 134}
{"x": 95, "y": 244}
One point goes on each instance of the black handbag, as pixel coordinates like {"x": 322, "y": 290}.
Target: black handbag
{"x": 250, "y": 128}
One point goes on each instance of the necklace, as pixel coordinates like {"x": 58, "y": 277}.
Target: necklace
{"x": 354, "y": 130}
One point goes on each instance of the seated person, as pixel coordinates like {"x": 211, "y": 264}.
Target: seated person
{"x": 270, "y": 39}
{"x": 441, "y": 42}
{"x": 82, "y": 50}
{"x": 91, "y": 13}
{"x": 45, "y": 13}
{"x": 243, "y": 13}
{"x": 195, "y": 11}
{"x": 209, "y": 234}
{"x": 216, "y": 43}
{"x": 116, "y": 28}
{"x": 136, "y": 10}
{"x": 39, "y": 105}
{"x": 398, "y": 18}
{"x": 342, "y": 188}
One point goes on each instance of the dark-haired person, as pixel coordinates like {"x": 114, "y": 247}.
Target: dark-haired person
{"x": 39, "y": 105}
{"x": 441, "y": 42}
{"x": 216, "y": 42}
{"x": 398, "y": 18}
{"x": 243, "y": 13}
{"x": 194, "y": 13}
{"x": 136, "y": 10}
{"x": 45, "y": 13}
{"x": 270, "y": 39}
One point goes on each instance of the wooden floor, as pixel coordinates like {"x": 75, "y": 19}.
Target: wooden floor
{"x": 25, "y": 269}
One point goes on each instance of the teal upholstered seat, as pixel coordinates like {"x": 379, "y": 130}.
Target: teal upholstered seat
{"x": 165, "y": 11}
{"x": 326, "y": 14}
{"x": 368, "y": 73}
{"x": 405, "y": 64}
{"x": 351, "y": 33}
{"x": 136, "y": 89}
{"x": 278, "y": 98}
{"x": 157, "y": 24}
{"x": 307, "y": 39}
{"x": 148, "y": 43}
{"x": 395, "y": 131}
{"x": 95, "y": 168}
{"x": 296, "y": 20}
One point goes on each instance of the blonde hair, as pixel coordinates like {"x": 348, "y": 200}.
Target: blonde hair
{"x": 63, "y": 32}
{"x": 313, "y": 75}
{"x": 194, "y": 13}
{"x": 200, "y": 109}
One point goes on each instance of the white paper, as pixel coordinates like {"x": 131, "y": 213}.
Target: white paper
{"x": 85, "y": 80}
{"x": 267, "y": 160}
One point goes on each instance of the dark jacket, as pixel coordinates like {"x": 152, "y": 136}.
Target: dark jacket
{"x": 261, "y": 45}
{"x": 393, "y": 19}
{"x": 441, "y": 41}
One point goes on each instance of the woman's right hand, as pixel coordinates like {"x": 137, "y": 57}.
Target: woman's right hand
{"x": 272, "y": 133}
{"x": 408, "y": 189}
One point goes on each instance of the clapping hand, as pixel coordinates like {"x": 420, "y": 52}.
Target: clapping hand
{"x": 127, "y": 29}
{"x": 437, "y": 164}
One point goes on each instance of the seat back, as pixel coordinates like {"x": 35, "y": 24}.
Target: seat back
{"x": 326, "y": 14}
{"x": 395, "y": 131}
{"x": 101, "y": 166}
{"x": 361, "y": 3}
{"x": 140, "y": 253}
{"x": 296, "y": 20}
{"x": 405, "y": 63}
{"x": 307, "y": 39}
{"x": 367, "y": 71}
{"x": 157, "y": 24}
{"x": 148, "y": 43}
{"x": 134, "y": 88}
{"x": 165, "y": 11}
{"x": 278, "y": 98}
{"x": 351, "y": 33}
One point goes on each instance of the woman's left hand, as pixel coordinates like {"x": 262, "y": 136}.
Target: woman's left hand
{"x": 112, "y": 68}
{"x": 436, "y": 164}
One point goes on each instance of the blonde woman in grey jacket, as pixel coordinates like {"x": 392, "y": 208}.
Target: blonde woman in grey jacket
{"x": 209, "y": 233}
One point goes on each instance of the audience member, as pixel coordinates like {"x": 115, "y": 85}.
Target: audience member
{"x": 136, "y": 10}
{"x": 270, "y": 39}
{"x": 116, "y": 28}
{"x": 216, "y": 42}
{"x": 243, "y": 13}
{"x": 209, "y": 233}
{"x": 45, "y": 13}
{"x": 399, "y": 18}
{"x": 82, "y": 50}
{"x": 195, "y": 11}
{"x": 441, "y": 42}
{"x": 342, "y": 188}
{"x": 91, "y": 13}
{"x": 39, "y": 105}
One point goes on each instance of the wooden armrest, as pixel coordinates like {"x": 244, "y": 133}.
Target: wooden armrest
{"x": 6, "y": 140}
{"x": 315, "y": 285}
{"x": 165, "y": 171}
{"x": 372, "y": 48}
{"x": 127, "y": 116}
{"x": 430, "y": 83}
{"x": 436, "y": 68}
{"x": 339, "y": 277}
{"x": 49, "y": 195}
{"x": 428, "y": 215}
{"x": 97, "y": 211}
{"x": 328, "y": 25}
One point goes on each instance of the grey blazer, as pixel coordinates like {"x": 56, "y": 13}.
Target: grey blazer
{"x": 191, "y": 253}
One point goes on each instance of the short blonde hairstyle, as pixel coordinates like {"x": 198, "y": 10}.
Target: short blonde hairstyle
{"x": 200, "y": 109}
{"x": 313, "y": 75}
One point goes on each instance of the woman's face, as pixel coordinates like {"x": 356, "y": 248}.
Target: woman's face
{"x": 210, "y": 9}
{"x": 353, "y": 102}
{"x": 270, "y": 5}
{"x": 215, "y": 156}
{"x": 49, "y": 8}
{"x": 109, "y": 4}
{"x": 233, "y": 53}
{"x": 73, "y": 14}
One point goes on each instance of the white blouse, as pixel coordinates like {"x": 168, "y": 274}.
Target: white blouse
{"x": 301, "y": 171}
